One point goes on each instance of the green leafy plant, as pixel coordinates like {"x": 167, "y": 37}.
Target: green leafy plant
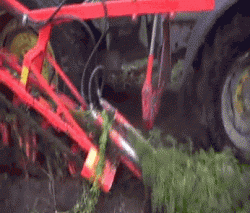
{"x": 181, "y": 181}
{"x": 203, "y": 182}
{"x": 91, "y": 194}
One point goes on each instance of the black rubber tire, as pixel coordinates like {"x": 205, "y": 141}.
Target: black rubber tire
{"x": 226, "y": 42}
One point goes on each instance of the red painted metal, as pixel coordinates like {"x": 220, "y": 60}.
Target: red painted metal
{"x": 68, "y": 82}
{"x": 108, "y": 176}
{"x": 69, "y": 103}
{"x": 12, "y": 62}
{"x": 131, "y": 166}
{"x": 147, "y": 91}
{"x": 5, "y": 134}
{"x": 61, "y": 118}
{"x": 151, "y": 97}
{"x": 35, "y": 56}
{"x": 27, "y": 144}
{"x": 54, "y": 119}
{"x": 86, "y": 11}
{"x": 71, "y": 126}
{"x": 89, "y": 170}
{"x": 34, "y": 146}
{"x": 117, "y": 115}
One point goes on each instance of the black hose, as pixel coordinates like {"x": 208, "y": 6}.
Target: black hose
{"x": 56, "y": 11}
{"x": 91, "y": 79}
{"x": 94, "y": 50}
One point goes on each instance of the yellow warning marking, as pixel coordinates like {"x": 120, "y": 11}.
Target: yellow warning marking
{"x": 92, "y": 160}
{"x": 24, "y": 75}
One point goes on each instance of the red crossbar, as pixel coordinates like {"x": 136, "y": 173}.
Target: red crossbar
{"x": 86, "y": 11}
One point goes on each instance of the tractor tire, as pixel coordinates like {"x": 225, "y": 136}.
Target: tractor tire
{"x": 213, "y": 88}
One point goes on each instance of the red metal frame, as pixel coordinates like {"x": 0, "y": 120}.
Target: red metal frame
{"x": 87, "y": 11}
{"x": 55, "y": 119}
{"x": 32, "y": 65}
{"x": 4, "y": 133}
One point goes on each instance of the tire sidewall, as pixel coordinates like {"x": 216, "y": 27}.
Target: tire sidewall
{"x": 214, "y": 75}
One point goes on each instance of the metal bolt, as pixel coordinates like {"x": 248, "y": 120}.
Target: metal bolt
{"x": 24, "y": 20}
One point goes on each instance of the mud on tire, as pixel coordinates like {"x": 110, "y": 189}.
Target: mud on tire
{"x": 228, "y": 41}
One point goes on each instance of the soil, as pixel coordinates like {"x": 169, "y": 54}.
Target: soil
{"x": 21, "y": 196}
{"x": 26, "y": 196}
{"x": 127, "y": 195}
{"x": 169, "y": 119}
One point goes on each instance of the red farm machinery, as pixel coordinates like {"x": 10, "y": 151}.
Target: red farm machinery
{"x": 39, "y": 118}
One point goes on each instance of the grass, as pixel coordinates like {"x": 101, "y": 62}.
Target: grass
{"x": 202, "y": 182}
{"x": 186, "y": 182}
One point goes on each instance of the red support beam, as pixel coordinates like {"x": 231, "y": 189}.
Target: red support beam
{"x": 87, "y": 11}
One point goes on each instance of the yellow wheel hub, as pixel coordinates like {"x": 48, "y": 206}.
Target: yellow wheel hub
{"x": 239, "y": 100}
{"x": 23, "y": 42}
{"x": 20, "y": 41}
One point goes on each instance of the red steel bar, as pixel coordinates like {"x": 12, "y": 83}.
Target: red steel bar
{"x": 33, "y": 60}
{"x": 55, "y": 120}
{"x": 65, "y": 78}
{"x": 4, "y": 133}
{"x": 86, "y": 11}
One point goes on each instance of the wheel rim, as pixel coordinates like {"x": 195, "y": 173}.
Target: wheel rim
{"x": 22, "y": 43}
{"x": 235, "y": 105}
{"x": 20, "y": 40}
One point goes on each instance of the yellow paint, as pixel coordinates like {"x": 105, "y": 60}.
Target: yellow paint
{"x": 21, "y": 44}
{"x": 92, "y": 160}
{"x": 24, "y": 75}
{"x": 238, "y": 102}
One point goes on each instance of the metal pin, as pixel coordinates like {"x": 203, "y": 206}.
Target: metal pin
{"x": 24, "y": 20}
